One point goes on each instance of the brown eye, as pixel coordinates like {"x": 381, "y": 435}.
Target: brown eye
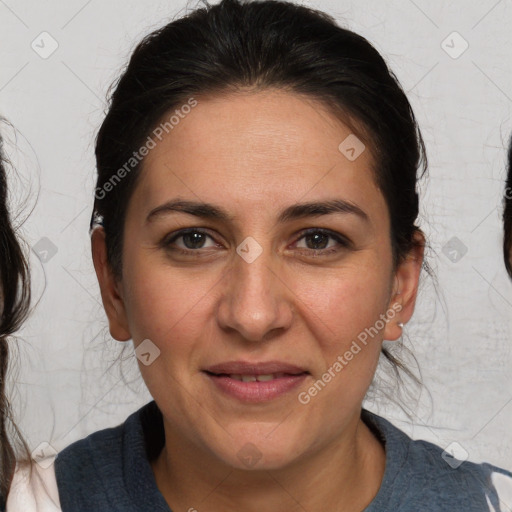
{"x": 318, "y": 240}
{"x": 191, "y": 240}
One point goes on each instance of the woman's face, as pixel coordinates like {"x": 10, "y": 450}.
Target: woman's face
{"x": 245, "y": 293}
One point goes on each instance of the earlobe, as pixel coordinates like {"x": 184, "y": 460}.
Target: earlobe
{"x": 405, "y": 289}
{"x": 109, "y": 286}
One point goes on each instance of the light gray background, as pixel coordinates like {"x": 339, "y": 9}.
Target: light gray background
{"x": 69, "y": 383}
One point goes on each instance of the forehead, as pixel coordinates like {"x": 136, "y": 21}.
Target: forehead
{"x": 258, "y": 149}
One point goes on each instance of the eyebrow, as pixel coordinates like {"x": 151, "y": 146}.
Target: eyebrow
{"x": 296, "y": 211}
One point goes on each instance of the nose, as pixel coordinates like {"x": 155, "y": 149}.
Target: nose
{"x": 257, "y": 300}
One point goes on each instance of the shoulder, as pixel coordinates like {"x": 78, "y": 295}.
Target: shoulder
{"x": 108, "y": 469}
{"x": 33, "y": 489}
{"x": 430, "y": 477}
{"x": 88, "y": 470}
{"x": 459, "y": 482}
{"x": 87, "y": 454}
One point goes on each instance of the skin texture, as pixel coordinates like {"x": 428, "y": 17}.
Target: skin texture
{"x": 254, "y": 154}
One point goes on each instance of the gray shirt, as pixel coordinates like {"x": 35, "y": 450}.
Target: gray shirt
{"x": 110, "y": 471}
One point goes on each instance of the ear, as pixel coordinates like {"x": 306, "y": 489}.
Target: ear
{"x": 109, "y": 287}
{"x": 405, "y": 288}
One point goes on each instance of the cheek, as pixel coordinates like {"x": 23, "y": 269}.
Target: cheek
{"x": 343, "y": 313}
{"x": 342, "y": 310}
{"x": 343, "y": 302}
{"x": 165, "y": 304}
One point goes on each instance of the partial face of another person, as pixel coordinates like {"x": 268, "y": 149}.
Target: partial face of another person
{"x": 258, "y": 285}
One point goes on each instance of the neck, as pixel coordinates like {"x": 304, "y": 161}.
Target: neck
{"x": 347, "y": 471}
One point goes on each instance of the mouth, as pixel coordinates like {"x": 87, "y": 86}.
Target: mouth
{"x": 254, "y": 378}
{"x": 255, "y": 382}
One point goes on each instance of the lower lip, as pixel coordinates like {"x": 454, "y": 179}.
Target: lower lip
{"x": 256, "y": 391}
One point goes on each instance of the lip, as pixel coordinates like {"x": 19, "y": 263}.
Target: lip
{"x": 290, "y": 377}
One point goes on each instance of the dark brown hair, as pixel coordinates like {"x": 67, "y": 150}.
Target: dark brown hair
{"x": 259, "y": 44}
{"x": 507, "y": 214}
{"x": 256, "y": 45}
{"x": 14, "y": 305}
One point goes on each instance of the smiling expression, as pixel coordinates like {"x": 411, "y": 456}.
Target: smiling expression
{"x": 254, "y": 254}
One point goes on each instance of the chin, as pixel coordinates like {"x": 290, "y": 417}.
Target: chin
{"x": 259, "y": 452}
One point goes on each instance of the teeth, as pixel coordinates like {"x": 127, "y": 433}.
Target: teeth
{"x": 263, "y": 378}
{"x": 254, "y": 378}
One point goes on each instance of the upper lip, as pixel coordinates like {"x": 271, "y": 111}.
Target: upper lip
{"x": 254, "y": 368}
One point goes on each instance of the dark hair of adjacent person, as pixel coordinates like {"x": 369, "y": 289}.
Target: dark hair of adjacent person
{"x": 14, "y": 305}
{"x": 255, "y": 46}
{"x": 507, "y": 214}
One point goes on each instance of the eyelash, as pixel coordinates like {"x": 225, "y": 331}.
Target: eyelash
{"x": 342, "y": 241}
